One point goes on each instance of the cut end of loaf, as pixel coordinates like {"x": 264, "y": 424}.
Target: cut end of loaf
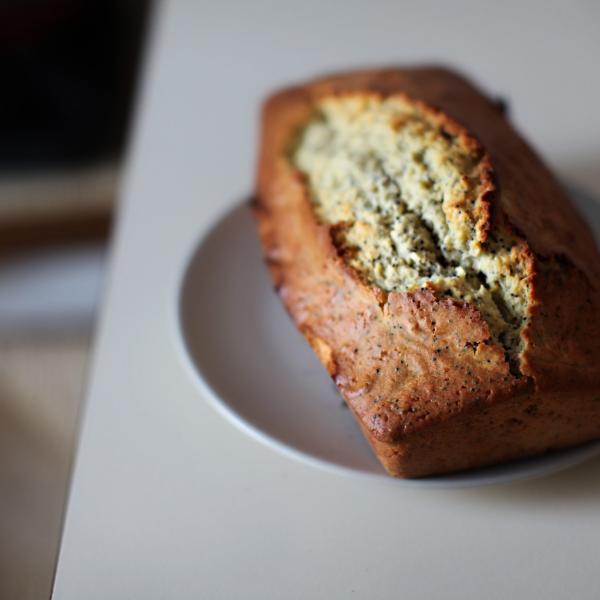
{"x": 406, "y": 191}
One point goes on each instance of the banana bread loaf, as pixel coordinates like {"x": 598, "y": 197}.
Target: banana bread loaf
{"x": 434, "y": 265}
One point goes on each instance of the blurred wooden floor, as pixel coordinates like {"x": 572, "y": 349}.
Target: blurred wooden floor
{"x": 41, "y": 386}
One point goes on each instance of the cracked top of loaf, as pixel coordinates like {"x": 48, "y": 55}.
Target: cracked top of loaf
{"x": 406, "y": 193}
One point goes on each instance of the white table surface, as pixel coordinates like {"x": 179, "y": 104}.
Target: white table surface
{"x": 169, "y": 500}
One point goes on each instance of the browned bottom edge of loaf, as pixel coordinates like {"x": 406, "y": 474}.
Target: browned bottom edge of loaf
{"x": 488, "y": 435}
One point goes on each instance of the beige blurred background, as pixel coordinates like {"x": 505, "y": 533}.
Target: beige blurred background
{"x": 69, "y": 75}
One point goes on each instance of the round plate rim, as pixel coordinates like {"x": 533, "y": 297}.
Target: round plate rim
{"x": 520, "y": 470}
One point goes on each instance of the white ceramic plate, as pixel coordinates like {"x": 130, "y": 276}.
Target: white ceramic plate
{"x": 260, "y": 374}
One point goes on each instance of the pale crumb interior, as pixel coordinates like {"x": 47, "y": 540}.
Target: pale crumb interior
{"x": 404, "y": 195}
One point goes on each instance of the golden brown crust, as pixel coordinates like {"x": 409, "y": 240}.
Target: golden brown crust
{"x": 429, "y": 389}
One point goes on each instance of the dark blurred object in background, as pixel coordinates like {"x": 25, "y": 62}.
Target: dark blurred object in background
{"x": 68, "y": 71}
